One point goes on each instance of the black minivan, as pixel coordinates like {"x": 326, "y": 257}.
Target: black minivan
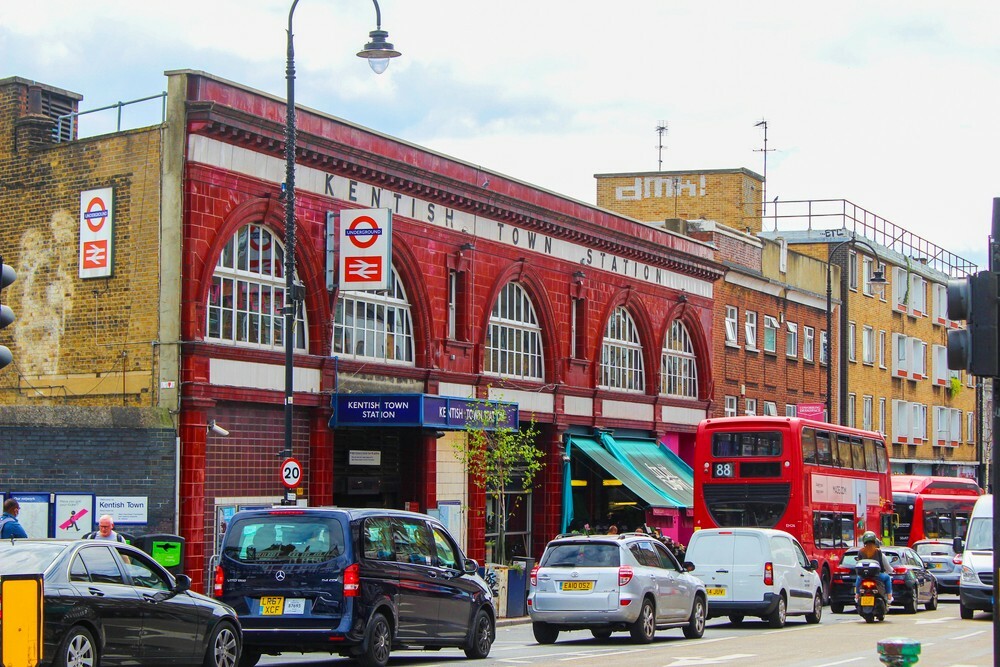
{"x": 355, "y": 582}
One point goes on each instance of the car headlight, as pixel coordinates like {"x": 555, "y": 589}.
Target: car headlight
{"x": 969, "y": 575}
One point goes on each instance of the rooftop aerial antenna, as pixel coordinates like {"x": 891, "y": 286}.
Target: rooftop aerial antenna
{"x": 763, "y": 194}
{"x": 661, "y": 129}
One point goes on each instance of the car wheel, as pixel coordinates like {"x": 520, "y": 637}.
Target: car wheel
{"x": 224, "y": 649}
{"x": 837, "y": 607}
{"x": 77, "y": 650}
{"x": 913, "y": 604}
{"x": 249, "y": 657}
{"x": 932, "y": 603}
{"x": 965, "y": 612}
{"x": 644, "y": 628}
{"x": 545, "y": 633}
{"x": 826, "y": 580}
{"x": 377, "y": 644}
{"x": 483, "y": 634}
{"x": 696, "y": 624}
{"x": 817, "y": 612}
{"x": 736, "y": 619}
{"x": 779, "y": 615}
{"x": 601, "y": 634}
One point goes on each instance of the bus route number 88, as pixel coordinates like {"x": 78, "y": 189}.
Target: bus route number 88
{"x": 726, "y": 469}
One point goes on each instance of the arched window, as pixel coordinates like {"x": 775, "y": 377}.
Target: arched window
{"x": 369, "y": 325}
{"x": 513, "y": 338}
{"x": 678, "y": 370}
{"x": 621, "y": 354}
{"x": 248, "y": 293}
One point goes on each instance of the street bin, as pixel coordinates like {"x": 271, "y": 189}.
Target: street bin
{"x": 167, "y": 550}
{"x": 526, "y": 565}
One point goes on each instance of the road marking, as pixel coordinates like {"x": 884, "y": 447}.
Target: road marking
{"x": 688, "y": 662}
{"x": 971, "y": 634}
{"x": 590, "y": 654}
{"x": 841, "y": 662}
{"x": 569, "y": 655}
{"x": 933, "y": 620}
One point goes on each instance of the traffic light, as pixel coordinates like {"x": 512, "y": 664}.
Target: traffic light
{"x": 7, "y": 276}
{"x": 974, "y": 349}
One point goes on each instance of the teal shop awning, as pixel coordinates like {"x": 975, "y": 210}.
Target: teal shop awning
{"x": 624, "y": 473}
{"x": 656, "y": 464}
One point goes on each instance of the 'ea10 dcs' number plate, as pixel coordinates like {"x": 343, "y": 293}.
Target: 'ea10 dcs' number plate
{"x": 724, "y": 469}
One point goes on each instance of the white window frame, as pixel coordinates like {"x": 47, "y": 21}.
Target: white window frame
{"x": 732, "y": 319}
{"x": 792, "y": 339}
{"x": 791, "y": 410}
{"x": 770, "y": 329}
{"x": 866, "y": 275}
{"x": 513, "y": 346}
{"x": 956, "y": 426}
{"x": 852, "y": 342}
{"x": 868, "y": 345}
{"x": 881, "y": 348}
{"x": 730, "y": 408}
{"x": 881, "y": 415}
{"x": 900, "y": 284}
{"x": 770, "y": 409}
{"x": 970, "y": 427}
{"x": 750, "y": 330}
{"x": 918, "y": 295}
{"x": 824, "y": 347}
{"x": 902, "y": 418}
{"x": 852, "y": 271}
{"x": 808, "y": 343}
{"x": 852, "y": 407}
{"x": 940, "y": 305}
{"x": 919, "y": 423}
{"x": 750, "y": 405}
{"x": 678, "y": 364}
{"x": 918, "y": 359}
{"x": 900, "y": 355}
{"x": 867, "y": 403}
{"x": 941, "y": 372}
{"x": 387, "y": 337}
{"x": 452, "y": 304}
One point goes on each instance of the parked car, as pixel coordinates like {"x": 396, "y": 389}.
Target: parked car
{"x": 912, "y": 583}
{"x": 108, "y": 603}
{"x": 353, "y": 582}
{"x": 756, "y": 572}
{"x": 975, "y": 589}
{"x": 940, "y": 558}
{"x": 613, "y": 583}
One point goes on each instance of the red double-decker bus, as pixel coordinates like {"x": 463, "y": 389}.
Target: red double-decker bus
{"x": 825, "y": 484}
{"x": 932, "y": 508}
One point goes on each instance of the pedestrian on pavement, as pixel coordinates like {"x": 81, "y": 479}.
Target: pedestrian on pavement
{"x": 9, "y": 525}
{"x": 106, "y": 530}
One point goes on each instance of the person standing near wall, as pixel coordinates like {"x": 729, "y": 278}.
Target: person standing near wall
{"x": 106, "y": 530}
{"x": 9, "y": 525}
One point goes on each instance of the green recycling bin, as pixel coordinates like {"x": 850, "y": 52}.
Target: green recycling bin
{"x": 167, "y": 550}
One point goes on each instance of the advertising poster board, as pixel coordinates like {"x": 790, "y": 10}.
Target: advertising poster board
{"x": 73, "y": 515}
{"x": 34, "y": 514}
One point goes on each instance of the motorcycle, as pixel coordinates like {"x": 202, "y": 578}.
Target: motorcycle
{"x": 872, "y": 601}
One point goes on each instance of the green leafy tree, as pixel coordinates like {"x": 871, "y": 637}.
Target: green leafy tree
{"x": 495, "y": 457}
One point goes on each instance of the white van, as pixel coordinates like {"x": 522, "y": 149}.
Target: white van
{"x": 975, "y": 588}
{"x": 756, "y": 572}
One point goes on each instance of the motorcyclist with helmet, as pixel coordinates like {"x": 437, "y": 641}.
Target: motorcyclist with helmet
{"x": 870, "y": 551}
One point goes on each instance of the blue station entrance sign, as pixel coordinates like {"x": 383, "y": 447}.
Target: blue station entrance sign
{"x": 421, "y": 411}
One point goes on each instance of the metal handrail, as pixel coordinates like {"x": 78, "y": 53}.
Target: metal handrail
{"x": 118, "y": 105}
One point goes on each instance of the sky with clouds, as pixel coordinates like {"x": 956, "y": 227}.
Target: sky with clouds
{"x": 890, "y": 105}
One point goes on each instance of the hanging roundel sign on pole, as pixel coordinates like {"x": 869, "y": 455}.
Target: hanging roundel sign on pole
{"x": 291, "y": 473}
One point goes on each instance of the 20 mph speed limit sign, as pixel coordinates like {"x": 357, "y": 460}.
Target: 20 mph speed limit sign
{"x": 291, "y": 473}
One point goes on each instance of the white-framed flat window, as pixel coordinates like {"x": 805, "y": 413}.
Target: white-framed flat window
{"x": 791, "y": 410}
{"x": 374, "y": 325}
{"x": 866, "y": 412}
{"x": 888, "y": 288}
{"x": 918, "y": 295}
{"x": 902, "y": 418}
{"x": 622, "y": 365}
{"x": 770, "y": 409}
{"x": 751, "y": 406}
{"x": 918, "y": 359}
{"x": 900, "y": 355}
{"x": 919, "y": 422}
{"x": 750, "y": 330}
{"x": 970, "y": 427}
{"x": 824, "y": 348}
{"x": 452, "y": 303}
{"x": 881, "y": 415}
{"x": 792, "y": 339}
{"x": 900, "y": 289}
{"x": 732, "y": 318}
{"x": 866, "y": 275}
{"x": 868, "y": 345}
{"x": 852, "y": 262}
{"x": 770, "y": 334}
{"x": 808, "y": 343}
{"x": 881, "y": 349}
{"x": 852, "y": 400}
{"x": 939, "y": 305}
{"x": 852, "y": 342}
{"x": 730, "y": 409}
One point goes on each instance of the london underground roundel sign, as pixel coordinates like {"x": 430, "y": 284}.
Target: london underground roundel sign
{"x": 291, "y": 473}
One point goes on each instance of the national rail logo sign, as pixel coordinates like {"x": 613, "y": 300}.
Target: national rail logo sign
{"x": 365, "y": 241}
{"x": 97, "y": 233}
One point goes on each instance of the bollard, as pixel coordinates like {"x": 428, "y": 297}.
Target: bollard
{"x": 899, "y": 651}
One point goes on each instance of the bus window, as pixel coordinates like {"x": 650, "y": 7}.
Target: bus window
{"x": 870, "y": 463}
{"x": 858, "y": 448}
{"x": 841, "y": 447}
{"x": 883, "y": 463}
{"x": 833, "y": 530}
{"x": 824, "y": 453}
{"x": 747, "y": 443}
{"x": 809, "y": 445}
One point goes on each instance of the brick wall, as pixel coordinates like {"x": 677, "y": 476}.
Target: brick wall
{"x": 102, "y": 451}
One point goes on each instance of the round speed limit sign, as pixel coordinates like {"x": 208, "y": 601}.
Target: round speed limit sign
{"x": 291, "y": 473}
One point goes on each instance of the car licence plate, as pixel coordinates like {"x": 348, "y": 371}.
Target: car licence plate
{"x": 577, "y": 585}
{"x": 936, "y": 566}
{"x": 276, "y": 605}
{"x": 715, "y": 591}
{"x": 867, "y": 600}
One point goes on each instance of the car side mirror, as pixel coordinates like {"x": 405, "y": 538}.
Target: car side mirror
{"x": 470, "y": 566}
{"x": 958, "y": 545}
{"x": 814, "y": 565}
{"x": 688, "y": 566}
{"x": 182, "y": 583}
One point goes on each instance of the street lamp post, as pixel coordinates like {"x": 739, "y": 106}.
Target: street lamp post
{"x": 877, "y": 283}
{"x": 378, "y": 52}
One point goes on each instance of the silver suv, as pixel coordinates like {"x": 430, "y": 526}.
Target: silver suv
{"x": 610, "y": 583}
